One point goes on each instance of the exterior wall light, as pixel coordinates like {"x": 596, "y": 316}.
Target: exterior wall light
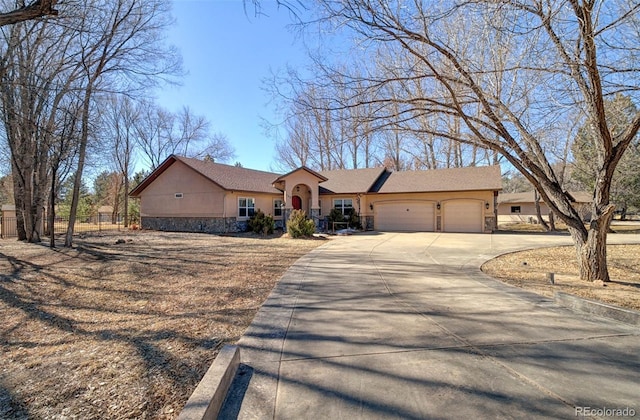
{"x": 438, "y": 205}
{"x": 486, "y": 205}
{"x": 371, "y": 206}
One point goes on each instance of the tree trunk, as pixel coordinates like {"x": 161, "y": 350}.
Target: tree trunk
{"x": 126, "y": 201}
{"x": 82, "y": 152}
{"x": 536, "y": 198}
{"x": 52, "y": 209}
{"x": 552, "y": 221}
{"x": 591, "y": 248}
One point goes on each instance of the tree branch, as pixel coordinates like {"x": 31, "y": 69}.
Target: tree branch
{"x": 35, "y": 10}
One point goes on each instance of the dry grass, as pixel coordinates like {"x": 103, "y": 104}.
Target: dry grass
{"x": 126, "y": 330}
{"x": 528, "y": 270}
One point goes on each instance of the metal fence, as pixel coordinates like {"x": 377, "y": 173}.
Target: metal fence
{"x": 93, "y": 223}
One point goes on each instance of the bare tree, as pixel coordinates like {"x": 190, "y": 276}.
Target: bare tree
{"x": 119, "y": 43}
{"x": 216, "y": 148}
{"x": 558, "y": 58}
{"x": 161, "y": 133}
{"x": 34, "y": 88}
{"x": 120, "y": 116}
{"x": 153, "y": 131}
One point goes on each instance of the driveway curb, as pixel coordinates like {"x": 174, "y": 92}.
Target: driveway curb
{"x": 207, "y": 399}
{"x": 592, "y": 307}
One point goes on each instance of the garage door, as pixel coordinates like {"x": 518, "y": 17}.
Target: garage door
{"x": 409, "y": 216}
{"x": 462, "y": 216}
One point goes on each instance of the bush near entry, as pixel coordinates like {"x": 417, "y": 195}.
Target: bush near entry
{"x": 299, "y": 225}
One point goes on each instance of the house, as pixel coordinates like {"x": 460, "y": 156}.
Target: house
{"x": 521, "y": 207}
{"x": 185, "y": 194}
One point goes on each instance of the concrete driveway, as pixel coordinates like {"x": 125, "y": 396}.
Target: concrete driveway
{"x": 404, "y": 325}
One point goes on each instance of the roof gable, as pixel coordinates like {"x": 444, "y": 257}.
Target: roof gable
{"x": 302, "y": 168}
{"x": 473, "y": 178}
{"x": 230, "y": 178}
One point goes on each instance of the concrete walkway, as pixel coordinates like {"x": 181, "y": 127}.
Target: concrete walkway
{"x": 406, "y": 326}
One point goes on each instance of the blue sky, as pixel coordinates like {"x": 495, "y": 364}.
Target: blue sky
{"x": 227, "y": 53}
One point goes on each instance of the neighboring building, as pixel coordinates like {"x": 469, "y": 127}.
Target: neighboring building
{"x": 105, "y": 214}
{"x": 521, "y": 207}
{"x": 8, "y": 221}
{"x": 185, "y": 194}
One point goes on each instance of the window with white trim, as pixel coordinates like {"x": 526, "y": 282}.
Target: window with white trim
{"x": 343, "y": 204}
{"x": 246, "y": 206}
{"x": 277, "y": 208}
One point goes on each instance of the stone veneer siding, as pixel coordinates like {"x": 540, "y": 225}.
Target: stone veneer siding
{"x": 367, "y": 222}
{"x": 194, "y": 224}
{"x": 489, "y": 223}
{"x": 315, "y": 216}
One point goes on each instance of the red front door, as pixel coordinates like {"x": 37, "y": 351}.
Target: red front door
{"x": 296, "y": 202}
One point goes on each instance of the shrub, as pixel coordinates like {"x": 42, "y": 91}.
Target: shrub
{"x": 299, "y": 225}
{"x": 261, "y": 223}
{"x": 353, "y": 218}
{"x": 336, "y": 216}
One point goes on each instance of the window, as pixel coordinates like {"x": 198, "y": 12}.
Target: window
{"x": 277, "y": 208}
{"x": 515, "y": 209}
{"x": 178, "y": 195}
{"x": 343, "y": 204}
{"x": 246, "y": 207}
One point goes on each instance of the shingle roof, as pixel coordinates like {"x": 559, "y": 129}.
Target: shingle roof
{"x": 343, "y": 181}
{"x": 454, "y": 179}
{"x": 229, "y": 177}
{"x": 233, "y": 178}
{"x": 528, "y": 197}
{"x": 347, "y": 181}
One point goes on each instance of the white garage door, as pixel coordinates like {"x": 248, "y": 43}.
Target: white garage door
{"x": 462, "y": 216}
{"x": 409, "y": 216}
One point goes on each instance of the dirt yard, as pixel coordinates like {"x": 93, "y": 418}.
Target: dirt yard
{"x": 528, "y": 269}
{"x": 126, "y": 330}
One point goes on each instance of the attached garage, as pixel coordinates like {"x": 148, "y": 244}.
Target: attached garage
{"x": 462, "y": 216}
{"x": 404, "y": 216}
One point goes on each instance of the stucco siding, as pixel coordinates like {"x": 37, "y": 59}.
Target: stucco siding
{"x": 527, "y": 212}
{"x": 199, "y": 196}
{"x": 526, "y": 209}
{"x": 263, "y": 202}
